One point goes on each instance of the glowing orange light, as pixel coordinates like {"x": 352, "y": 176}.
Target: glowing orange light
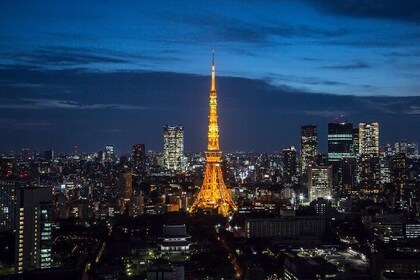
{"x": 213, "y": 193}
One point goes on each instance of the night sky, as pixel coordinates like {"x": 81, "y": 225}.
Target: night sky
{"x": 115, "y": 72}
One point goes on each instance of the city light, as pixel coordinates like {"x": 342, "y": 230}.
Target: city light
{"x": 123, "y": 157}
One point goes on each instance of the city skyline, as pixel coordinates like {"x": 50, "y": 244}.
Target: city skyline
{"x": 127, "y": 152}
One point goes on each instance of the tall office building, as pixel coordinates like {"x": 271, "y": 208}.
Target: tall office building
{"x": 399, "y": 174}
{"x": 8, "y": 165}
{"x": 138, "y": 156}
{"x": 369, "y": 164}
{"x": 401, "y": 147}
{"x": 356, "y": 142}
{"x": 319, "y": 182}
{"x": 340, "y": 150}
{"x": 75, "y": 150}
{"x": 173, "y": 147}
{"x": 7, "y": 204}
{"x": 340, "y": 142}
{"x": 385, "y": 169}
{"x": 308, "y": 145}
{"x": 348, "y": 171}
{"x": 33, "y": 228}
{"x": 126, "y": 185}
{"x": 369, "y": 174}
{"x": 369, "y": 139}
{"x": 409, "y": 148}
{"x": 289, "y": 164}
{"x": 109, "y": 152}
{"x": 412, "y": 149}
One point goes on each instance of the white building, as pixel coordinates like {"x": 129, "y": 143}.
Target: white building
{"x": 319, "y": 182}
{"x": 369, "y": 139}
{"x": 173, "y": 147}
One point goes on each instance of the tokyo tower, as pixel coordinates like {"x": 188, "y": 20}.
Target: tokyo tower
{"x": 213, "y": 194}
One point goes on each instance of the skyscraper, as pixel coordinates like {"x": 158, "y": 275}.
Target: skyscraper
{"x": 75, "y": 150}
{"x": 138, "y": 156}
{"x": 412, "y": 149}
{"x": 356, "y": 142}
{"x": 401, "y": 147}
{"x": 340, "y": 142}
{"x": 308, "y": 145}
{"x": 173, "y": 147}
{"x": 109, "y": 152}
{"x": 369, "y": 165}
{"x": 289, "y": 164}
{"x": 7, "y": 204}
{"x": 319, "y": 182}
{"x": 369, "y": 139}
{"x": 126, "y": 185}
{"x": 340, "y": 148}
{"x": 399, "y": 174}
{"x": 213, "y": 194}
{"x": 348, "y": 170}
{"x": 33, "y": 228}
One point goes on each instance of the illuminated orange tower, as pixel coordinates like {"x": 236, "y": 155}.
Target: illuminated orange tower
{"x": 213, "y": 193}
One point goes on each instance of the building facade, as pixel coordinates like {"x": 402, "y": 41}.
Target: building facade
{"x": 126, "y": 185}
{"x": 340, "y": 142}
{"x": 319, "y": 182}
{"x": 308, "y": 145}
{"x": 174, "y": 239}
{"x": 109, "y": 152}
{"x": 33, "y": 228}
{"x": 369, "y": 139}
{"x": 369, "y": 163}
{"x": 289, "y": 165}
{"x": 138, "y": 157}
{"x": 288, "y": 227}
{"x": 7, "y": 204}
{"x": 173, "y": 147}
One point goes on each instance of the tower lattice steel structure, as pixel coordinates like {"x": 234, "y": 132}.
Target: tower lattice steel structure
{"x": 213, "y": 193}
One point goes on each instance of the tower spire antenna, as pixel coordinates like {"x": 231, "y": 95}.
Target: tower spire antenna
{"x": 213, "y": 73}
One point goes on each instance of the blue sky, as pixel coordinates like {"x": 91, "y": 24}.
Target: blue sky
{"x": 55, "y": 55}
{"x": 302, "y": 44}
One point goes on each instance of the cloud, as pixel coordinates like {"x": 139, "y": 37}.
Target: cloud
{"x": 392, "y": 105}
{"x": 38, "y": 104}
{"x": 371, "y": 43}
{"x": 228, "y": 29}
{"x": 113, "y": 130}
{"x": 413, "y": 110}
{"x": 403, "y": 10}
{"x": 309, "y": 59}
{"x": 327, "y": 113}
{"x": 26, "y": 85}
{"x": 307, "y": 80}
{"x": 354, "y": 66}
{"x": 23, "y": 124}
{"x": 64, "y": 56}
{"x": 393, "y": 54}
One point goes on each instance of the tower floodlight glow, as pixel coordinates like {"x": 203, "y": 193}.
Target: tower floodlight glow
{"x": 213, "y": 192}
